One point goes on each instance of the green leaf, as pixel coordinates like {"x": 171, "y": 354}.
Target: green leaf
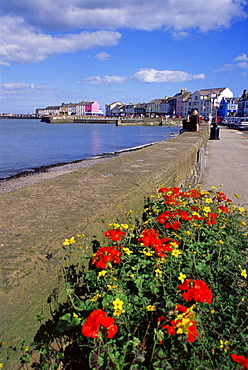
{"x": 67, "y": 322}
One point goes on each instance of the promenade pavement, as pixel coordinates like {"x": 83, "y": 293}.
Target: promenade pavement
{"x": 227, "y": 164}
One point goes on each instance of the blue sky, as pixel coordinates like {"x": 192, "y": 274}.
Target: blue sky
{"x": 55, "y": 51}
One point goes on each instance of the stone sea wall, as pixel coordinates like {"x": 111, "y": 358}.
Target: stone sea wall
{"x": 37, "y": 219}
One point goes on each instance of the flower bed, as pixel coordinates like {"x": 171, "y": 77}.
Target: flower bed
{"x": 168, "y": 291}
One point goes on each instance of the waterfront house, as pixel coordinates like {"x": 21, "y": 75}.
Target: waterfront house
{"x": 177, "y": 103}
{"x": 207, "y": 101}
{"x": 228, "y": 107}
{"x": 243, "y": 104}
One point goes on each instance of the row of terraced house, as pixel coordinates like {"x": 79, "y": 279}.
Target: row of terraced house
{"x": 218, "y": 102}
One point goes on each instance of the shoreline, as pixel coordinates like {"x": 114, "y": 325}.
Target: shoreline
{"x": 33, "y": 176}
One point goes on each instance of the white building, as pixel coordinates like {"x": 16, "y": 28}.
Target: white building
{"x": 207, "y": 101}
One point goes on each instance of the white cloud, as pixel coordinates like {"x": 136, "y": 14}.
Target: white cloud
{"x": 62, "y": 15}
{"x": 241, "y": 58}
{"x": 241, "y": 61}
{"x": 151, "y": 75}
{"x": 12, "y": 88}
{"x": 107, "y": 80}
{"x": 23, "y": 44}
{"x": 146, "y": 75}
{"x": 102, "y": 56}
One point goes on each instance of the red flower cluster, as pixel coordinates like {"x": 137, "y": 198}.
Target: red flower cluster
{"x": 241, "y": 360}
{"x": 211, "y": 219}
{"x": 175, "y": 324}
{"x": 150, "y": 238}
{"x": 197, "y": 290}
{"x": 224, "y": 209}
{"x": 95, "y": 322}
{"x": 114, "y": 234}
{"x": 105, "y": 255}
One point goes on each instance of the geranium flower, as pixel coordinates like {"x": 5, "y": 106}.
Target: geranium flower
{"x": 95, "y": 322}
{"x": 241, "y": 360}
{"x": 114, "y": 234}
{"x": 105, "y": 255}
{"x": 197, "y": 290}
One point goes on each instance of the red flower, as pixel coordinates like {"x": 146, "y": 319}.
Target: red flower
{"x": 175, "y": 225}
{"x": 241, "y": 360}
{"x": 96, "y": 320}
{"x": 220, "y": 196}
{"x": 197, "y": 290}
{"x": 224, "y": 209}
{"x": 114, "y": 234}
{"x": 105, "y": 255}
{"x": 148, "y": 236}
{"x": 192, "y": 334}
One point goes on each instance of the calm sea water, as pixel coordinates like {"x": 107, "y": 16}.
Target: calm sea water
{"x": 26, "y": 144}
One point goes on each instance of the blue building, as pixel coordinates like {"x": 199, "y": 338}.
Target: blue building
{"x": 228, "y": 107}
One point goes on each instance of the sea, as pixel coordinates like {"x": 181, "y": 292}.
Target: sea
{"x": 29, "y": 144}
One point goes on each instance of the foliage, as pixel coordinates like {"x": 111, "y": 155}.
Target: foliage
{"x": 169, "y": 292}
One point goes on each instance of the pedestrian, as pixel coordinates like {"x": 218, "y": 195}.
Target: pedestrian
{"x": 194, "y": 121}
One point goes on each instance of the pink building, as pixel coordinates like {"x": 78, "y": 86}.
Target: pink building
{"x": 92, "y": 107}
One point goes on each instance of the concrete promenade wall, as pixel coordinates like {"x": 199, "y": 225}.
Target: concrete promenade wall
{"x": 36, "y": 219}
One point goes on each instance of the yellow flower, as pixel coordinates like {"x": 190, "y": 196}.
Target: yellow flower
{"x": 69, "y": 241}
{"x": 182, "y": 277}
{"x": 1, "y": 365}
{"x": 187, "y": 232}
{"x": 243, "y": 223}
{"x": 209, "y": 200}
{"x": 124, "y": 226}
{"x": 244, "y": 273}
{"x": 241, "y": 209}
{"x": 112, "y": 286}
{"x": 237, "y": 196}
{"x": 214, "y": 187}
{"x": 81, "y": 235}
{"x": 212, "y": 311}
{"x": 102, "y": 273}
{"x": 147, "y": 253}
{"x": 158, "y": 272}
{"x": 127, "y": 250}
{"x": 118, "y": 303}
{"x": 95, "y": 298}
{"x": 26, "y": 348}
{"x": 174, "y": 245}
{"x": 224, "y": 345}
{"x": 206, "y": 209}
{"x": 197, "y": 214}
{"x": 150, "y": 308}
{"x": 114, "y": 225}
{"x": 183, "y": 326}
{"x": 176, "y": 252}
{"x": 118, "y": 307}
{"x": 220, "y": 241}
{"x": 242, "y": 299}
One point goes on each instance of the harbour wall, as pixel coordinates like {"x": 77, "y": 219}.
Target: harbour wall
{"x": 37, "y": 219}
{"x": 118, "y": 121}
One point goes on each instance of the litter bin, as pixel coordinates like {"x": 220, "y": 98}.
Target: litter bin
{"x": 214, "y": 132}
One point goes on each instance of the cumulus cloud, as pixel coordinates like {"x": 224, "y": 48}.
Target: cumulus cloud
{"x": 22, "y": 87}
{"x": 241, "y": 61}
{"x": 35, "y": 30}
{"x": 102, "y": 56}
{"x": 106, "y": 80}
{"x": 150, "y": 75}
{"x": 22, "y": 43}
{"x": 146, "y": 75}
{"x": 61, "y": 15}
